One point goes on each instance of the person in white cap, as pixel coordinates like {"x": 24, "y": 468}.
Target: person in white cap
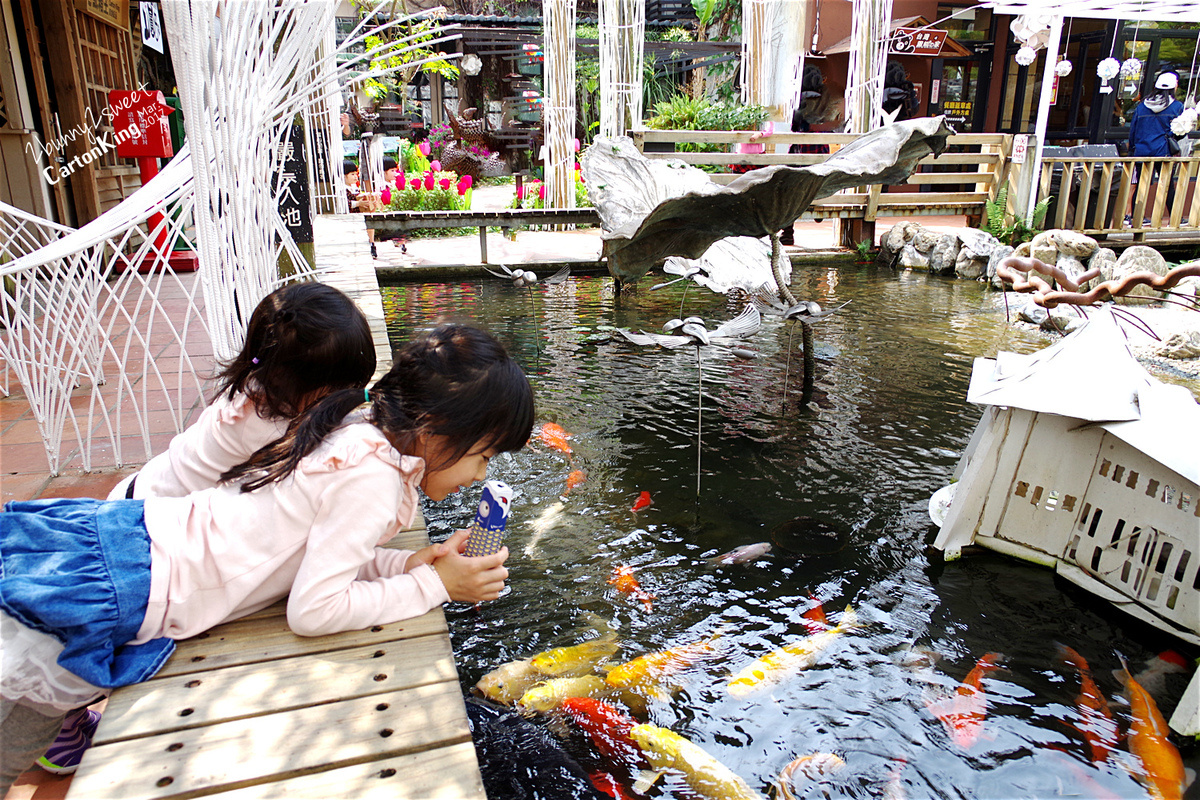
{"x": 1150, "y": 126}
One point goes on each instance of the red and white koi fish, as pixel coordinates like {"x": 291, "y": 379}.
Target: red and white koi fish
{"x": 643, "y": 501}
{"x": 963, "y": 712}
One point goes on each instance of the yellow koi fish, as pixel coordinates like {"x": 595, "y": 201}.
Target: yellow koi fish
{"x": 549, "y": 694}
{"x": 509, "y": 681}
{"x": 648, "y": 670}
{"x": 789, "y": 659}
{"x": 577, "y": 659}
{"x": 708, "y": 777}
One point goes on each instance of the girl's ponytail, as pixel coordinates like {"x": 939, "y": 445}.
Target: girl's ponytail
{"x": 278, "y": 459}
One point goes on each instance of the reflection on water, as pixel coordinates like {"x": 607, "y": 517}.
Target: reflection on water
{"x": 883, "y": 432}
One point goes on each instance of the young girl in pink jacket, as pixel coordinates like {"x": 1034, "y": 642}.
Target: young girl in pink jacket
{"x": 303, "y": 341}
{"x": 94, "y": 593}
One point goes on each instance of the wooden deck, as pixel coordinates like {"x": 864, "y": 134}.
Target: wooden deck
{"x": 250, "y": 710}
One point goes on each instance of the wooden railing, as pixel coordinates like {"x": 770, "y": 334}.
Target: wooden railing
{"x": 1102, "y": 193}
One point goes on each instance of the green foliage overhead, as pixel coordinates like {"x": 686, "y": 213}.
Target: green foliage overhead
{"x": 401, "y": 51}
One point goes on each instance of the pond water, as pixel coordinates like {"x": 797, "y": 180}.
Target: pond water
{"x": 883, "y": 431}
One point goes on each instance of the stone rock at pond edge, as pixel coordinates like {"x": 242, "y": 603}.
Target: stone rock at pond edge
{"x": 1071, "y": 265}
{"x": 901, "y": 234}
{"x": 969, "y": 264}
{"x": 1140, "y": 258}
{"x": 1042, "y": 248}
{"x": 944, "y": 254}
{"x": 1065, "y": 318}
{"x": 927, "y": 239}
{"x": 910, "y": 258}
{"x": 1105, "y": 259}
{"x": 1073, "y": 243}
{"x": 1185, "y": 344}
{"x": 1034, "y": 313}
{"x": 1000, "y": 253}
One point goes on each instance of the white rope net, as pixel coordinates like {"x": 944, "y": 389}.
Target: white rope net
{"x": 102, "y": 334}
{"x": 96, "y": 344}
{"x": 622, "y": 45}
{"x": 870, "y": 36}
{"x": 558, "y": 17}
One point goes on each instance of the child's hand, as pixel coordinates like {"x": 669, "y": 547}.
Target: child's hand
{"x": 426, "y": 555}
{"x": 470, "y": 580}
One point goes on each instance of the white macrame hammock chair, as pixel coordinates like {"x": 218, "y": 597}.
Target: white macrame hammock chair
{"x": 97, "y": 345}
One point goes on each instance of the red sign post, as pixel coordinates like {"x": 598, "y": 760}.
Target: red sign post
{"x": 140, "y": 121}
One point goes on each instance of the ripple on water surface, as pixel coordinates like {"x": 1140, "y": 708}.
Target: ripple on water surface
{"x": 882, "y": 432}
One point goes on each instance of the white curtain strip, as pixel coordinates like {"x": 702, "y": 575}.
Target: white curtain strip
{"x": 870, "y": 36}
{"x": 558, "y": 110}
{"x": 775, "y": 33}
{"x": 622, "y": 47}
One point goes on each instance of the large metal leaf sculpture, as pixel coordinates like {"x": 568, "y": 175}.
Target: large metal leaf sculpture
{"x": 651, "y": 210}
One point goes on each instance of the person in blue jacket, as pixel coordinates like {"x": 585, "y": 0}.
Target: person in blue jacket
{"x": 1150, "y": 126}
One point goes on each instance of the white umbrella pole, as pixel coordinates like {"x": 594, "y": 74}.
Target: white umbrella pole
{"x": 1043, "y": 117}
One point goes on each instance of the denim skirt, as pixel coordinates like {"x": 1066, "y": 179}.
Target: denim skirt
{"x": 79, "y": 570}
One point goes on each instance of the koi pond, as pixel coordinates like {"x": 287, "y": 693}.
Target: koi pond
{"x": 840, "y": 487}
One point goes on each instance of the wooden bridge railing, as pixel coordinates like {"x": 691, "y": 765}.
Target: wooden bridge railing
{"x": 1102, "y": 193}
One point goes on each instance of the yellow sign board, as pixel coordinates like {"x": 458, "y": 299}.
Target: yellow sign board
{"x": 114, "y": 12}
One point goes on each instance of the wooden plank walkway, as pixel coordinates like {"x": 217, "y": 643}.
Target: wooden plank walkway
{"x": 250, "y": 710}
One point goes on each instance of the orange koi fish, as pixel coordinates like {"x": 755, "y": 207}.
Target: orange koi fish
{"x": 814, "y": 619}
{"x": 574, "y": 478}
{"x": 623, "y": 579}
{"x": 963, "y": 712}
{"x": 643, "y": 501}
{"x": 1162, "y": 768}
{"x": 554, "y": 437}
{"x": 608, "y": 728}
{"x": 1096, "y": 722}
{"x": 647, "y": 670}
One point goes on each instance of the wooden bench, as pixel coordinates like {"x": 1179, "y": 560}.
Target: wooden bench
{"x": 505, "y": 219}
{"x": 250, "y": 710}
{"x": 985, "y": 168}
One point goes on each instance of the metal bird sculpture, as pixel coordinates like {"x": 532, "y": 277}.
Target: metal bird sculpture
{"x": 522, "y": 279}
{"x": 805, "y": 312}
{"x": 693, "y": 332}
{"x": 685, "y": 273}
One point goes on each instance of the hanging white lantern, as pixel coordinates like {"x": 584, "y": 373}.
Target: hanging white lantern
{"x": 1026, "y": 56}
{"x": 1131, "y": 68}
{"x": 1063, "y": 68}
{"x": 1107, "y": 69}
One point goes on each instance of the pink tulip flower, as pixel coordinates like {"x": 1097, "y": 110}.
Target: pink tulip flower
{"x": 435, "y": 165}
{"x": 520, "y": 191}
{"x": 541, "y": 191}
{"x": 386, "y": 195}
{"x": 429, "y": 181}
{"x": 415, "y": 183}
{"x": 444, "y": 183}
{"x": 424, "y": 148}
{"x": 466, "y": 181}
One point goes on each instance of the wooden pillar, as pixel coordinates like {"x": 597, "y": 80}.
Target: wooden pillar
{"x": 58, "y": 27}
